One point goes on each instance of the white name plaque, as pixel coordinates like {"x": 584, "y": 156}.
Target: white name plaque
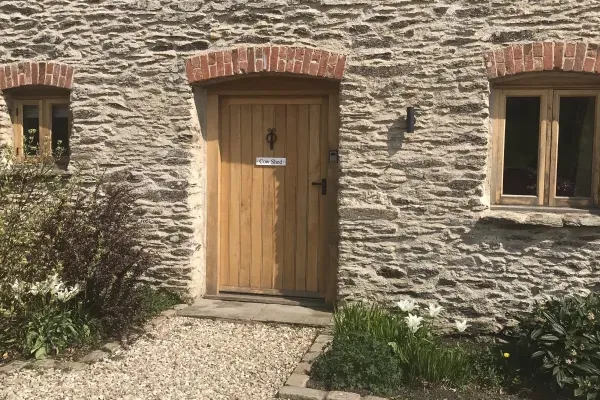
{"x": 271, "y": 162}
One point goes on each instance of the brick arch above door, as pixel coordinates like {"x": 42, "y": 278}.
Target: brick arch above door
{"x": 285, "y": 60}
{"x": 41, "y": 73}
{"x": 543, "y": 56}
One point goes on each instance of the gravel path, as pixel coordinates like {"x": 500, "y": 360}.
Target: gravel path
{"x": 181, "y": 359}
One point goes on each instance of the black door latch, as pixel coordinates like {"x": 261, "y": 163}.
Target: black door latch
{"x": 323, "y": 185}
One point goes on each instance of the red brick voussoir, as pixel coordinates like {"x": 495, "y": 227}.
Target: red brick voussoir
{"x": 542, "y": 56}
{"x": 287, "y": 60}
{"x": 29, "y": 73}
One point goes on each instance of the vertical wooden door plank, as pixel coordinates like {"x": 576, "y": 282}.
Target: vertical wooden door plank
{"x": 289, "y": 274}
{"x": 314, "y": 196}
{"x": 246, "y": 199}
{"x": 302, "y": 196}
{"x": 279, "y": 198}
{"x": 224, "y": 195}
{"x": 213, "y": 165}
{"x": 235, "y": 147}
{"x": 257, "y": 195}
{"x": 268, "y": 210}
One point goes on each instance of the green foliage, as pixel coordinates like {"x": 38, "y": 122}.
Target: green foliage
{"x": 373, "y": 320}
{"x": 360, "y": 362}
{"x": 560, "y": 339}
{"x": 72, "y": 256}
{"x": 154, "y": 301}
{"x": 420, "y": 354}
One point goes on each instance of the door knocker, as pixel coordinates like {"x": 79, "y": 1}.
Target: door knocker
{"x": 271, "y": 137}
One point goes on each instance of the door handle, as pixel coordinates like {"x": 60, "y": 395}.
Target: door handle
{"x": 323, "y": 185}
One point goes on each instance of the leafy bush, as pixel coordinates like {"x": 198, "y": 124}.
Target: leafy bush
{"x": 358, "y": 361}
{"x": 154, "y": 301}
{"x": 421, "y": 355}
{"x": 42, "y": 318}
{"x": 72, "y": 257}
{"x": 560, "y": 339}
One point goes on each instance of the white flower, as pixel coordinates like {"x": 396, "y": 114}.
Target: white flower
{"x": 34, "y": 289}
{"x": 407, "y": 305}
{"x": 67, "y": 294}
{"x": 54, "y": 284}
{"x": 462, "y": 326}
{"x": 434, "y": 310}
{"x": 413, "y": 322}
{"x": 16, "y": 287}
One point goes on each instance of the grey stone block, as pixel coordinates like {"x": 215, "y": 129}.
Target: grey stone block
{"x": 14, "y": 366}
{"x": 302, "y": 368}
{"x": 180, "y": 307}
{"x": 317, "y": 347}
{"x": 324, "y": 338}
{"x": 299, "y": 380}
{"x": 112, "y": 347}
{"x": 94, "y": 357}
{"x": 71, "y": 366}
{"x": 374, "y": 398}
{"x": 45, "y": 364}
{"x": 310, "y": 357}
{"x": 342, "y": 396}
{"x": 169, "y": 313}
{"x": 298, "y": 393}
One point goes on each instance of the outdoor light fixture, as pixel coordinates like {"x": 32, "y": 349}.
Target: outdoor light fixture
{"x": 410, "y": 119}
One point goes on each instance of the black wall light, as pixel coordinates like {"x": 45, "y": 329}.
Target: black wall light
{"x": 410, "y": 119}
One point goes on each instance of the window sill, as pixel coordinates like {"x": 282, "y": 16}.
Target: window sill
{"x": 538, "y": 216}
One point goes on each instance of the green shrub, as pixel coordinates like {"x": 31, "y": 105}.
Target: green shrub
{"x": 358, "y": 361}
{"x": 97, "y": 238}
{"x": 560, "y": 340}
{"x": 373, "y": 320}
{"x": 154, "y": 301}
{"x": 421, "y": 354}
{"x": 59, "y": 233}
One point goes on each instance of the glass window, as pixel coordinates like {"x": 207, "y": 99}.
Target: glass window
{"x": 575, "y": 146}
{"x": 60, "y": 129}
{"x": 544, "y": 148}
{"x": 42, "y": 127}
{"x": 31, "y": 129}
{"x": 521, "y": 139}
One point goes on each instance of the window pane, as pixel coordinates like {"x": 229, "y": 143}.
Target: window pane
{"x": 60, "y": 129}
{"x": 31, "y": 129}
{"x": 521, "y": 145}
{"x": 575, "y": 146}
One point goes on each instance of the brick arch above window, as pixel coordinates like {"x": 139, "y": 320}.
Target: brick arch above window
{"x": 301, "y": 61}
{"x": 29, "y": 73}
{"x": 543, "y": 56}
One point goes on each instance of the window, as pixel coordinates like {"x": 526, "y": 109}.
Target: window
{"x": 41, "y": 127}
{"x": 546, "y": 144}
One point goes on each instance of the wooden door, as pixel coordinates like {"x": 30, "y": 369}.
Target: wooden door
{"x": 271, "y": 218}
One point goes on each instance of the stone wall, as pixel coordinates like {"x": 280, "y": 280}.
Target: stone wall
{"x": 412, "y": 206}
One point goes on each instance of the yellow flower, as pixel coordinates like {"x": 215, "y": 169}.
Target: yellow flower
{"x": 5, "y": 356}
{"x": 506, "y": 355}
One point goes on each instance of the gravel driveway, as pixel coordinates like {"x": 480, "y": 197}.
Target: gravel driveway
{"x": 181, "y": 359}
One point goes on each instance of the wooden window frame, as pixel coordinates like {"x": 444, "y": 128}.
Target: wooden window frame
{"x": 45, "y": 116}
{"x": 549, "y": 91}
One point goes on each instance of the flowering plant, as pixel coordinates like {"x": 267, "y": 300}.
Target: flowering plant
{"x": 43, "y": 312}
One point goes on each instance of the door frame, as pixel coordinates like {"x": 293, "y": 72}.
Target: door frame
{"x": 269, "y": 86}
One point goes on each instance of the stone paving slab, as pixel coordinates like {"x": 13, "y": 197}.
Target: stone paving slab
{"x": 244, "y": 311}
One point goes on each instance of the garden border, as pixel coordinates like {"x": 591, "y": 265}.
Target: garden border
{"x": 295, "y": 386}
{"x": 107, "y": 351}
